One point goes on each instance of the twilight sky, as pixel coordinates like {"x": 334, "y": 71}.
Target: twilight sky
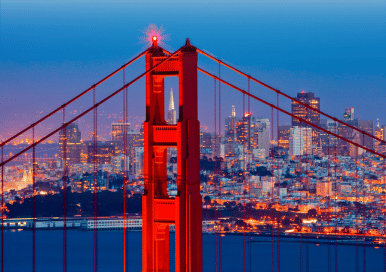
{"x": 52, "y": 50}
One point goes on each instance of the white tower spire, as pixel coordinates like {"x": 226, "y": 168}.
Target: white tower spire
{"x": 172, "y": 119}
{"x": 171, "y": 101}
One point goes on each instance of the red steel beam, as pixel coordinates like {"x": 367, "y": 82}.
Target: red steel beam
{"x": 88, "y": 110}
{"x": 73, "y": 99}
{"x": 287, "y": 96}
{"x": 290, "y": 114}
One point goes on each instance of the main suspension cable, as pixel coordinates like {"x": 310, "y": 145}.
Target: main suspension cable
{"x": 287, "y": 96}
{"x": 88, "y": 110}
{"x": 292, "y": 115}
{"x": 73, "y": 99}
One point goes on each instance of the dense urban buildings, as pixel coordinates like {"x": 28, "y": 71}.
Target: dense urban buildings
{"x": 71, "y": 136}
{"x": 247, "y": 162}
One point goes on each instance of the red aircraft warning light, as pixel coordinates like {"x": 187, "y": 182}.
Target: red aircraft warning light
{"x": 154, "y": 39}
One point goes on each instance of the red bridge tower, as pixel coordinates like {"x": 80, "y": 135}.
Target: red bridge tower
{"x": 159, "y": 209}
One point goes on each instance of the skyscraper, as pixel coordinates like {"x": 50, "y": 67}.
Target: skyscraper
{"x": 300, "y": 141}
{"x": 284, "y": 132}
{"x": 230, "y": 126}
{"x": 303, "y": 112}
{"x": 172, "y": 119}
{"x": 306, "y": 113}
{"x": 367, "y": 126}
{"x": 380, "y": 132}
{"x": 348, "y": 114}
{"x": 72, "y": 135}
{"x": 262, "y": 135}
{"x": 117, "y": 134}
{"x": 117, "y": 131}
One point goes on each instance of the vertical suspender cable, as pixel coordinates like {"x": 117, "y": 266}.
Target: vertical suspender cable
{"x": 364, "y": 205}
{"x": 300, "y": 196}
{"x": 356, "y": 209}
{"x": 278, "y": 180}
{"x": 245, "y": 131}
{"x": 33, "y": 203}
{"x": 215, "y": 180}
{"x": 272, "y": 197}
{"x": 249, "y": 179}
{"x": 384, "y": 221}
{"x": 95, "y": 189}
{"x": 328, "y": 203}
{"x": 335, "y": 207}
{"x": 219, "y": 143}
{"x": 2, "y": 210}
{"x": 124, "y": 174}
{"x": 127, "y": 166}
{"x": 64, "y": 179}
{"x": 308, "y": 146}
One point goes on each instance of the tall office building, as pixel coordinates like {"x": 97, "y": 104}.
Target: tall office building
{"x": 306, "y": 113}
{"x": 344, "y": 148}
{"x": 367, "y": 126}
{"x": 104, "y": 152}
{"x": 262, "y": 135}
{"x": 72, "y": 135}
{"x": 284, "y": 132}
{"x": 380, "y": 133}
{"x": 172, "y": 119}
{"x": 348, "y": 114}
{"x": 138, "y": 164}
{"x": 245, "y": 130}
{"x": 117, "y": 131}
{"x": 230, "y": 132}
{"x": 300, "y": 141}
{"x": 303, "y": 112}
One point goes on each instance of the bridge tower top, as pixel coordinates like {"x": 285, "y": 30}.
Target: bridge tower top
{"x": 159, "y": 209}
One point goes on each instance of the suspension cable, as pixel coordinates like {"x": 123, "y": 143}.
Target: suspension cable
{"x": 290, "y": 114}
{"x": 89, "y": 109}
{"x": 215, "y": 180}
{"x": 270, "y": 150}
{"x": 356, "y": 209}
{"x": 73, "y": 99}
{"x": 335, "y": 207}
{"x": 124, "y": 112}
{"x": 287, "y": 96}
{"x": 2, "y": 210}
{"x": 95, "y": 183}
{"x": 328, "y": 204}
{"x": 245, "y": 139}
{"x": 278, "y": 179}
{"x": 64, "y": 180}
{"x": 249, "y": 180}
{"x": 218, "y": 156}
{"x": 33, "y": 205}
{"x": 364, "y": 205}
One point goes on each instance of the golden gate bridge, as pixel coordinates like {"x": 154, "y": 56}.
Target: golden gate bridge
{"x": 185, "y": 209}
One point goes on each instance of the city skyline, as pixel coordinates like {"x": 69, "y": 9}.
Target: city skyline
{"x": 214, "y": 138}
{"x": 347, "y": 70}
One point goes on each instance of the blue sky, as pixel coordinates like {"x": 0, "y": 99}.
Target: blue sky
{"x": 52, "y": 50}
